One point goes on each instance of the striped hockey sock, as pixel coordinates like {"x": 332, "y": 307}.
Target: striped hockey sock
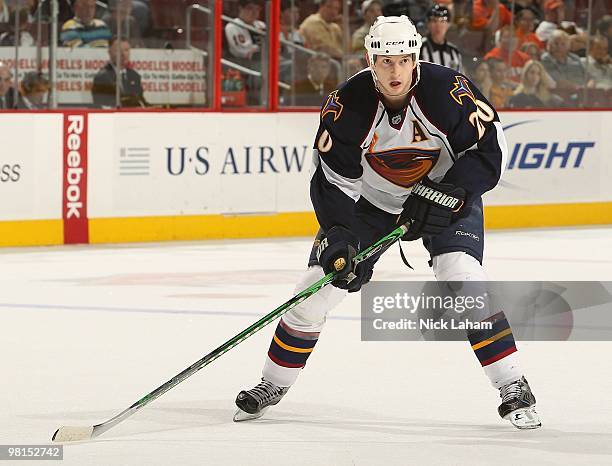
{"x": 493, "y": 345}
{"x": 291, "y": 348}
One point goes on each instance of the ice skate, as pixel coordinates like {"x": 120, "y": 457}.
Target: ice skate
{"x": 253, "y": 403}
{"x": 518, "y": 405}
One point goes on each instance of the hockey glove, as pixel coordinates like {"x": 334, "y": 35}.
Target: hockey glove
{"x": 430, "y": 208}
{"x": 363, "y": 273}
{"x": 336, "y": 253}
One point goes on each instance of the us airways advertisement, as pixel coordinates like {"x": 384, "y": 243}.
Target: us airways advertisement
{"x": 199, "y": 164}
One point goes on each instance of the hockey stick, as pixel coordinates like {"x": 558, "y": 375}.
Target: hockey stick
{"x": 74, "y": 434}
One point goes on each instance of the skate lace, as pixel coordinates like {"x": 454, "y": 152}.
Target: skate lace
{"x": 511, "y": 391}
{"x": 264, "y": 391}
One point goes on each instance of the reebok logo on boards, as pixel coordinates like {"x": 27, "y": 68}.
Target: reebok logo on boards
{"x": 74, "y": 171}
{"x": 74, "y": 197}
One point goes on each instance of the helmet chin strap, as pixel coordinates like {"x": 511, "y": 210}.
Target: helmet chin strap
{"x": 416, "y": 81}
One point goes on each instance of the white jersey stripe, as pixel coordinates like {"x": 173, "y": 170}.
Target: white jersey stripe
{"x": 503, "y": 146}
{"x": 349, "y": 186}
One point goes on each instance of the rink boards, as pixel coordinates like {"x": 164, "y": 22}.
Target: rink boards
{"x": 79, "y": 177}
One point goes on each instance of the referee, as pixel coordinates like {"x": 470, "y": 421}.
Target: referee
{"x": 436, "y": 48}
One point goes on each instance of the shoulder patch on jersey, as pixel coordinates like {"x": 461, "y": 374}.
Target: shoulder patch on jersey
{"x": 332, "y": 105}
{"x": 461, "y": 89}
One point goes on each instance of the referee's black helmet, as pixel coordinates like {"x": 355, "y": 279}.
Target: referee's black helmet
{"x": 438, "y": 11}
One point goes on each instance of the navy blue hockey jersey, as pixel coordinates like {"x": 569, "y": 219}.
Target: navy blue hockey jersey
{"x": 448, "y": 132}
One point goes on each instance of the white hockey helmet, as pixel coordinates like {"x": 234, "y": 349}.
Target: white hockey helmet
{"x": 393, "y": 35}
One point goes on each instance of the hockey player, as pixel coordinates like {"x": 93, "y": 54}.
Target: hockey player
{"x": 392, "y": 140}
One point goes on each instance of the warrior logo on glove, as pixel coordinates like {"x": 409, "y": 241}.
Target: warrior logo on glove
{"x": 444, "y": 200}
{"x": 431, "y": 208}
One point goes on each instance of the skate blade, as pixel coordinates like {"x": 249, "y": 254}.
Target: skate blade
{"x": 524, "y": 418}
{"x": 240, "y": 415}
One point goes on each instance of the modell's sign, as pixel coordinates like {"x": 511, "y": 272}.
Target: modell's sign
{"x": 169, "y": 77}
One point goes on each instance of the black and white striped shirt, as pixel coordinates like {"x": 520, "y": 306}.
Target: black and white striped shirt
{"x": 446, "y": 54}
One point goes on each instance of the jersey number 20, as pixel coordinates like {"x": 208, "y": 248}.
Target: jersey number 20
{"x": 483, "y": 113}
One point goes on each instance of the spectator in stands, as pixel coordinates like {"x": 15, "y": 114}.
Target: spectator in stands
{"x": 534, "y": 5}
{"x": 370, "y": 10}
{"x": 31, "y": 6}
{"x": 532, "y": 50}
{"x": 320, "y": 30}
{"x": 481, "y": 77}
{"x": 318, "y": 83}
{"x": 289, "y": 58}
{"x": 506, "y": 42}
{"x": 85, "y": 30}
{"x": 33, "y": 91}
{"x": 554, "y": 18}
{"x": 8, "y": 38}
{"x": 416, "y": 10}
{"x": 65, "y": 10}
{"x": 604, "y": 27}
{"x": 131, "y": 93}
{"x": 7, "y": 91}
{"x": 121, "y": 10}
{"x": 554, "y": 13}
{"x": 502, "y": 87}
{"x": 578, "y": 41}
{"x": 490, "y": 15}
{"x": 597, "y": 64}
{"x": 525, "y": 26}
{"x": 436, "y": 48}
{"x": 4, "y": 12}
{"x": 534, "y": 89}
{"x": 244, "y": 44}
{"x": 289, "y": 17}
{"x": 141, "y": 11}
{"x": 564, "y": 67}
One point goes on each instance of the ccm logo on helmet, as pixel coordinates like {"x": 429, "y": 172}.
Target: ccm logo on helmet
{"x": 394, "y": 43}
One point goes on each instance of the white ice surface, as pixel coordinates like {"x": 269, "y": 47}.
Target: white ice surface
{"x": 86, "y": 331}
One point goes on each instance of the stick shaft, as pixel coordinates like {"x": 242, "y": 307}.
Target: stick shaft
{"x": 377, "y": 248}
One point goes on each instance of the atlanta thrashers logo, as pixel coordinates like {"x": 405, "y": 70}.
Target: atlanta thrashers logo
{"x": 403, "y": 166}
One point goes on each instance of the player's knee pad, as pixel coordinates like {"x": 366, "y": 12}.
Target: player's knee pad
{"x": 457, "y": 267}
{"x": 309, "y": 315}
{"x": 461, "y": 267}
